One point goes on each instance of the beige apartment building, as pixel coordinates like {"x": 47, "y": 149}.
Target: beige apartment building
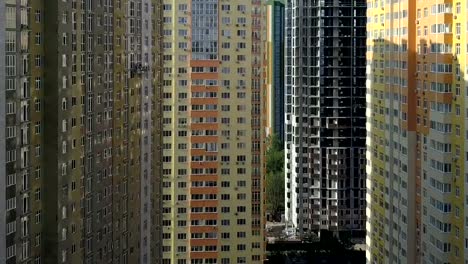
{"x": 213, "y": 114}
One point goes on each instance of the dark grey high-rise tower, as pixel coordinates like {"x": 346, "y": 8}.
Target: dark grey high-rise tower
{"x": 325, "y": 114}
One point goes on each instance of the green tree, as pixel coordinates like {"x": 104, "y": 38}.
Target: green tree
{"x": 274, "y": 142}
{"x": 275, "y": 176}
{"x": 274, "y": 154}
{"x": 275, "y": 194}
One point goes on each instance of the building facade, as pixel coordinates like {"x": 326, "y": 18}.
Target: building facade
{"x": 213, "y": 157}
{"x": 80, "y": 131}
{"x": 416, "y": 115}
{"x": 392, "y": 187}
{"x": 325, "y": 115}
{"x": 275, "y": 69}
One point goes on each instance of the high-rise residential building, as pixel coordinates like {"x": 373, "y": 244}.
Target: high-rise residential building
{"x": 325, "y": 115}
{"x": 275, "y": 68}
{"x": 416, "y": 132}
{"x": 393, "y": 185}
{"x": 80, "y": 139}
{"x": 213, "y": 157}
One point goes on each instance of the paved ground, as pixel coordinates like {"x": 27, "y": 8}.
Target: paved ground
{"x": 274, "y": 231}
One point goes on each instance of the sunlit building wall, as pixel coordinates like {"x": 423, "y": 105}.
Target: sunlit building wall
{"x": 416, "y": 134}
{"x": 213, "y": 111}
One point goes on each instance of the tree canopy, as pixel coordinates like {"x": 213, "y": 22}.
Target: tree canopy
{"x": 275, "y": 176}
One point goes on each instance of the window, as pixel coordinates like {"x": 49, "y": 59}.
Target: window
{"x": 441, "y": 28}
{"x": 441, "y": 68}
{"x": 182, "y": 7}
{"x": 241, "y": 260}
{"x": 11, "y": 180}
{"x": 11, "y": 132}
{"x": 37, "y": 105}
{"x": 441, "y": 8}
{"x": 37, "y": 127}
{"x": 241, "y": 247}
{"x": 10, "y": 17}
{"x": 11, "y": 204}
{"x": 10, "y": 44}
{"x": 11, "y": 251}
{"x": 11, "y": 156}
{"x": 37, "y": 16}
{"x": 37, "y": 172}
{"x": 241, "y": 221}
{"x": 11, "y": 108}
{"x": 38, "y": 38}
{"x": 37, "y": 240}
{"x": 37, "y": 194}
{"x": 38, "y": 83}
{"x": 11, "y": 227}
{"x": 10, "y": 65}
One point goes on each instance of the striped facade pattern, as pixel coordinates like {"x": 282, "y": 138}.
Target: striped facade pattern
{"x": 416, "y": 132}
{"x": 80, "y": 163}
